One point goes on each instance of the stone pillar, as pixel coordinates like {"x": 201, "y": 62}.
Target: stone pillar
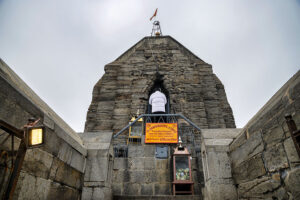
{"x": 219, "y": 184}
{"x": 97, "y": 176}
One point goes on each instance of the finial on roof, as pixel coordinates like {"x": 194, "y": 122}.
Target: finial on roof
{"x": 156, "y": 30}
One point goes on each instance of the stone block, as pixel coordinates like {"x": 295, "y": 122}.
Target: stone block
{"x": 102, "y": 193}
{"x": 273, "y": 136}
{"x": 162, "y": 164}
{"x": 65, "y": 153}
{"x": 136, "y": 176}
{"x": 251, "y": 147}
{"x": 48, "y": 122}
{"x": 87, "y": 193}
{"x": 163, "y": 176}
{"x": 31, "y": 187}
{"x": 58, "y": 191}
{"x": 97, "y": 140}
{"x": 96, "y": 166}
{"x": 120, "y": 163}
{"x": 147, "y": 189}
{"x": 218, "y": 191}
{"x": 135, "y": 151}
{"x": 150, "y": 176}
{"x": 78, "y": 161}
{"x": 291, "y": 152}
{"x": 275, "y": 158}
{"x": 120, "y": 176}
{"x": 136, "y": 163}
{"x": 52, "y": 142}
{"x": 241, "y": 139}
{"x": 132, "y": 189}
{"x": 263, "y": 189}
{"x": 249, "y": 170}
{"x": 38, "y": 163}
{"x": 225, "y": 133}
{"x": 219, "y": 164}
{"x": 117, "y": 188}
{"x": 162, "y": 188}
{"x": 63, "y": 173}
{"x": 149, "y": 163}
{"x": 292, "y": 182}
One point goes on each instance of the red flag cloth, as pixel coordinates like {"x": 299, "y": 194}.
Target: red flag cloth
{"x": 154, "y": 14}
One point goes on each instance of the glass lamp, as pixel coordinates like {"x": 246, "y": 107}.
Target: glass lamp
{"x": 182, "y": 177}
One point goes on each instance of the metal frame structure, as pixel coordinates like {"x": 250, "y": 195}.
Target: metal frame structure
{"x": 169, "y": 118}
{"x": 17, "y": 165}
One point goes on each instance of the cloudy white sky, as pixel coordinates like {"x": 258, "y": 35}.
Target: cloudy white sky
{"x": 253, "y": 45}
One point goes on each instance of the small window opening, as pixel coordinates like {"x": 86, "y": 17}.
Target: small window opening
{"x": 120, "y": 151}
{"x": 159, "y": 83}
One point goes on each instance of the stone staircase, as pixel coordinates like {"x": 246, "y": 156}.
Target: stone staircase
{"x": 159, "y": 197}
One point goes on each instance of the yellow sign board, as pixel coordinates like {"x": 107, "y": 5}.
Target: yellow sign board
{"x": 161, "y": 133}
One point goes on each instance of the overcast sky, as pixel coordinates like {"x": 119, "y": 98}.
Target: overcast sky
{"x": 59, "y": 47}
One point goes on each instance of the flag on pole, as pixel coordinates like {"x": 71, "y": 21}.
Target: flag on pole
{"x": 154, "y": 15}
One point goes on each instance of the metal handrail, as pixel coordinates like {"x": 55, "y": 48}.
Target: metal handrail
{"x": 157, "y": 115}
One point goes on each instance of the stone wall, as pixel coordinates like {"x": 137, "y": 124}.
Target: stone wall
{"x": 53, "y": 171}
{"x": 142, "y": 174}
{"x": 194, "y": 89}
{"x": 218, "y": 179}
{"x": 264, "y": 159}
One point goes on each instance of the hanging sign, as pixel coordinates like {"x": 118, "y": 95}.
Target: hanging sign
{"x": 161, "y": 133}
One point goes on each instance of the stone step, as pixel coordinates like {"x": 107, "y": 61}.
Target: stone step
{"x": 159, "y": 197}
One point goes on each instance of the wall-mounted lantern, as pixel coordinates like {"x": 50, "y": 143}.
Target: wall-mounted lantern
{"x": 31, "y": 136}
{"x": 135, "y": 131}
{"x": 35, "y": 136}
{"x": 182, "y": 176}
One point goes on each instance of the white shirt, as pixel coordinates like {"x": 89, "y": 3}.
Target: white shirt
{"x": 158, "y": 101}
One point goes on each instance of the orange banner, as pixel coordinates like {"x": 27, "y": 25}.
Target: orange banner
{"x": 161, "y": 133}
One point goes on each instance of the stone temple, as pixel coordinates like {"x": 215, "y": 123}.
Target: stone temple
{"x": 106, "y": 161}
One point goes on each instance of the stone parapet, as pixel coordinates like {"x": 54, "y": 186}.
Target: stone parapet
{"x": 264, "y": 160}
{"x": 54, "y": 170}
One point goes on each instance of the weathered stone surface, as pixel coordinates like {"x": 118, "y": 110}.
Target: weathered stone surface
{"x": 63, "y": 173}
{"x": 135, "y": 151}
{"x": 218, "y": 164}
{"x": 275, "y": 158}
{"x": 162, "y": 189}
{"x": 147, "y": 189}
{"x": 219, "y": 191}
{"x": 120, "y": 163}
{"x": 97, "y": 168}
{"x": 253, "y": 146}
{"x": 65, "y": 153}
{"x": 225, "y": 133}
{"x": 132, "y": 189}
{"x": 292, "y": 182}
{"x": 279, "y": 155}
{"x": 291, "y": 152}
{"x": 273, "y": 136}
{"x": 249, "y": 170}
{"x": 31, "y": 187}
{"x": 117, "y": 188}
{"x": 127, "y": 82}
{"x": 78, "y": 161}
{"x": 263, "y": 188}
{"x": 136, "y": 163}
{"x": 96, "y": 193}
{"x": 58, "y": 191}
{"x": 150, "y": 163}
{"x": 162, "y": 164}
{"x": 38, "y": 163}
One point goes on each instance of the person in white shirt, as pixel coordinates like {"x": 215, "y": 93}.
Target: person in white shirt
{"x": 158, "y": 101}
